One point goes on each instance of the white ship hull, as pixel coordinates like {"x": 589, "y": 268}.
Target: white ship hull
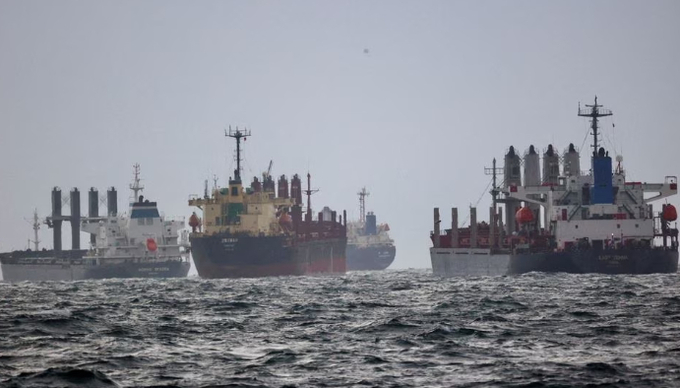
{"x": 449, "y": 262}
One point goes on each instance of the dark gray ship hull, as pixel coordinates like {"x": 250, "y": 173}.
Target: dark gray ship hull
{"x": 449, "y": 262}
{"x": 373, "y": 258}
{"x": 71, "y": 265}
{"x": 237, "y": 256}
{"x": 621, "y": 261}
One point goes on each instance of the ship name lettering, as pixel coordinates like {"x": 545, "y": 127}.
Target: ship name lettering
{"x": 229, "y": 240}
{"x": 613, "y": 258}
{"x": 154, "y": 269}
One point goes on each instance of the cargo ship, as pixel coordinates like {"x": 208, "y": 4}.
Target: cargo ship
{"x": 369, "y": 246}
{"x": 260, "y": 230}
{"x": 139, "y": 244}
{"x": 563, "y": 220}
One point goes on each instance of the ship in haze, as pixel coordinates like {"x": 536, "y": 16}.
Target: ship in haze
{"x": 260, "y": 231}
{"x": 572, "y": 222}
{"x": 139, "y": 244}
{"x": 369, "y": 246}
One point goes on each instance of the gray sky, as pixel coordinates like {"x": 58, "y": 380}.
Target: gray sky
{"x": 89, "y": 88}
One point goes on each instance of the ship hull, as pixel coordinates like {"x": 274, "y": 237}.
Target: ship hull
{"x": 373, "y": 258}
{"x": 638, "y": 261}
{"x": 449, "y": 262}
{"x": 68, "y": 266}
{"x": 229, "y": 256}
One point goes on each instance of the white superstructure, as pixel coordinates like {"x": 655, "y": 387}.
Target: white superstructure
{"x": 140, "y": 233}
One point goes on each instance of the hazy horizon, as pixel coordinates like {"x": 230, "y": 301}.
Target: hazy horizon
{"x": 409, "y": 99}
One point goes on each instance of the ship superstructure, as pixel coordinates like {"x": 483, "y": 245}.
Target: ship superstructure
{"x": 140, "y": 243}
{"x": 260, "y": 231}
{"x": 369, "y": 246}
{"x": 564, "y": 220}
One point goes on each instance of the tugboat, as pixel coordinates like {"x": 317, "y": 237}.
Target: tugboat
{"x": 590, "y": 223}
{"x": 259, "y": 231}
{"x": 139, "y": 244}
{"x": 369, "y": 246}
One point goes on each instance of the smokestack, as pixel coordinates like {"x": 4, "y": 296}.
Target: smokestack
{"x": 93, "y": 209}
{"x": 75, "y": 219}
{"x": 454, "y": 227}
{"x": 112, "y": 202}
{"x": 473, "y": 227}
{"x": 437, "y": 232}
{"x": 56, "y": 218}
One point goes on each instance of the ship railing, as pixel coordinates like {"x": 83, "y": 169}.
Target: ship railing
{"x": 173, "y": 218}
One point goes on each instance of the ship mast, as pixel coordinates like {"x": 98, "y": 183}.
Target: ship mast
{"x": 594, "y": 112}
{"x": 36, "y": 228}
{"x": 362, "y": 204}
{"x": 494, "y": 171}
{"x": 135, "y": 186}
{"x": 309, "y": 193}
{"x": 238, "y": 135}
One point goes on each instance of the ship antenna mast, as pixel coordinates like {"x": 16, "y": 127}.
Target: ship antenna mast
{"x": 309, "y": 193}
{"x": 36, "y": 227}
{"x": 594, "y": 112}
{"x": 238, "y": 135}
{"x": 135, "y": 186}
{"x": 362, "y": 204}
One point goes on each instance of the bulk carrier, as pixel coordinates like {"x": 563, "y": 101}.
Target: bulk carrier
{"x": 261, "y": 231}
{"x": 572, "y": 222}
{"x": 141, "y": 243}
{"x": 369, "y": 246}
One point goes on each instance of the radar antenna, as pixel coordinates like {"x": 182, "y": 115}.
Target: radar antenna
{"x": 362, "y": 204}
{"x": 594, "y": 112}
{"x": 238, "y": 135}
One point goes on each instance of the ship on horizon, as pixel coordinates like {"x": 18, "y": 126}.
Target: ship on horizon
{"x": 573, "y": 222}
{"x": 259, "y": 231}
{"x": 369, "y": 246}
{"x": 138, "y": 244}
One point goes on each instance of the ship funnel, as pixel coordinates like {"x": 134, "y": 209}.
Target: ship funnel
{"x": 256, "y": 186}
{"x": 283, "y": 187}
{"x": 93, "y": 210}
{"x": 551, "y": 166}
{"x": 371, "y": 224}
{"x": 112, "y": 202}
{"x": 268, "y": 184}
{"x": 75, "y": 219}
{"x": 532, "y": 171}
{"x": 511, "y": 172}
{"x": 513, "y": 177}
{"x": 296, "y": 189}
{"x": 572, "y": 161}
{"x": 56, "y": 218}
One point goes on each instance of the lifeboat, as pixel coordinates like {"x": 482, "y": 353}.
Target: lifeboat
{"x": 285, "y": 220}
{"x": 524, "y": 215}
{"x": 194, "y": 221}
{"x": 151, "y": 245}
{"x": 669, "y": 213}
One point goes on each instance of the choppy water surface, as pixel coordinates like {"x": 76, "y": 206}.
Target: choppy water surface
{"x": 393, "y": 328}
